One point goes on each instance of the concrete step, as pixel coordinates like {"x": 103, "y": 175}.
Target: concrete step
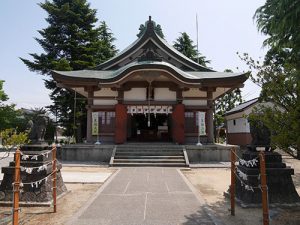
{"x": 150, "y": 153}
{"x": 150, "y": 160}
{"x": 149, "y": 164}
{"x": 149, "y": 149}
{"x": 148, "y": 157}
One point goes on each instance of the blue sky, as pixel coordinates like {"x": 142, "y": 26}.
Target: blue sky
{"x": 225, "y": 27}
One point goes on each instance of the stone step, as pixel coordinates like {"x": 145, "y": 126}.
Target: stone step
{"x": 150, "y": 153}
{"x": 148, "y": 157}
{"x": 149, "y": 149}
{"x": 149, "y": 146}
{"x": 150, "y": 160}
{"x": 149, "y": 164}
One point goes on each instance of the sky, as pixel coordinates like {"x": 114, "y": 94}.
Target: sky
{"x": 225, "y": 28}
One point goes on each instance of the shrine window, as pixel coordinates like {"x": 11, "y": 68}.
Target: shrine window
{"x": 190, "y": 122}
{"x": 107, "y": 121}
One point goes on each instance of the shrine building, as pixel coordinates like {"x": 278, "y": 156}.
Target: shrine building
{"x": 149, "y": 92}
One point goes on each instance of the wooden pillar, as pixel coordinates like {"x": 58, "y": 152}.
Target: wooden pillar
{"x": 210, "y": 118}
{"x": 89, "y": 137}
{"x": 120, "y": 95}
{"x": 264, "y": 188}
{"x": 16, "y": 188}
{"x": 178, "y": 123}
{"x": 54, "y": 186}
{"x": 232, "y": 184}
{"x": 121, "y": 124}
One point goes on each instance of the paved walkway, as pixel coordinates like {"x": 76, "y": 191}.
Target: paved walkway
{"x": 150, "y": 196}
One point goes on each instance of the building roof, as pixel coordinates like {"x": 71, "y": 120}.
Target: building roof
{"x": 242, "y": 106}
{"x": 113, "y": 75}
{"x": 149, "y": 52}
{"x": 150, "y": 39}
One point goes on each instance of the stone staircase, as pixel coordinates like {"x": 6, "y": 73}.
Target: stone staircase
{"x": 149, "y": 154}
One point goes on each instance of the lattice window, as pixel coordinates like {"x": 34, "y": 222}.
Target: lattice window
{"x": 101, "y": 118}
{"x": 189, "y": 122}
{"x": 107, "y": 121}
{"x": 109, "y": 117}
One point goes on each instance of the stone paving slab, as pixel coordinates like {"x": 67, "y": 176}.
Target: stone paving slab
{"x": 144, "y": 196}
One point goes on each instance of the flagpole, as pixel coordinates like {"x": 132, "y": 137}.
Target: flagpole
{"x": 197, "y": 38}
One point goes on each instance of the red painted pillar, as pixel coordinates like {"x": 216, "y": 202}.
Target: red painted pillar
{"x": 121, "y": 124}
{"x": 178, "y": 123}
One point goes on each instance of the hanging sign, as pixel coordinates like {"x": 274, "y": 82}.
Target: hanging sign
{"x": 155, "y": 109}
{"x": 95, "y": 123}
{"x": 201, "y": 123}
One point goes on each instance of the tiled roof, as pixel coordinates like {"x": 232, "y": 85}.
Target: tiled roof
{"x": 241, "y": 107}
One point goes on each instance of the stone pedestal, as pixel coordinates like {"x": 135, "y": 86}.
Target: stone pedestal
{"x": 32, "y": 193}
{"x": 281, "y": 188}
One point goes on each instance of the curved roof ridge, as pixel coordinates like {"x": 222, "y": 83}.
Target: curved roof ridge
{"x": 140, "y": 65}
{"x": 148, "y": 33}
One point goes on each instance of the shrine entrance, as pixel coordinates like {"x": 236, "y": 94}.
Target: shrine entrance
{"x": 149, "y": 127}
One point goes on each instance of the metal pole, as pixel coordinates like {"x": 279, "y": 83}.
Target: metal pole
{"x": 16, "y": 188}
{"x": 197, "y": 38}
{"x": 232, "y": 185}
{"x": 264, "y": 188}
{"x": 54, "y": 176}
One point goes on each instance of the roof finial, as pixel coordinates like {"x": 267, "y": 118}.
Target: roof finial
{"x": 149, "y": 18}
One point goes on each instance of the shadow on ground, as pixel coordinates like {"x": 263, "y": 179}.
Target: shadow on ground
{"x": 221, "y": 214}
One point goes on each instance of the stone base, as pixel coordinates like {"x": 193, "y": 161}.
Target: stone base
{"x": 32, "y": 193}
{"x": 281, "y": 188}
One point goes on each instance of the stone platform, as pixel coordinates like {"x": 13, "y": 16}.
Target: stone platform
{"x": 102, "y": 153}
{"x": 36, "y": 192}
{"x": 281, "y": 188}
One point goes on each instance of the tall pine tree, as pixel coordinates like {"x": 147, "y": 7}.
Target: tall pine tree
{"x": 184, "y": 44}
{"x": 70, "y": 42}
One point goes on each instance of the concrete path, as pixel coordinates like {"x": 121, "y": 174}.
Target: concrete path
{"x": 150, "y": 196}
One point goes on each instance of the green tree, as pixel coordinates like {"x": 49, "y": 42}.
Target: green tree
{"x": 157, "y": 29}
{"x": 3, "y": 96}
{"x": 10, "y": 117}
{"x": 279, "y": 20}
{"x": 184, "y": 44}
{"x": 280, "y": 86}
{"x": 279, "y": 74}
{"x": 70, "y": 42}
{"x": 11, "y": 138}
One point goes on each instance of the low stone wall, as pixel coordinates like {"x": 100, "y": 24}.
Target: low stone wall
{"x": 209, "y": 153}
{"x": 85, "y": 153}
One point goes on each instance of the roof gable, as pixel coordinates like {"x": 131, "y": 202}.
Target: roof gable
{"x": 151, "y": 47}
